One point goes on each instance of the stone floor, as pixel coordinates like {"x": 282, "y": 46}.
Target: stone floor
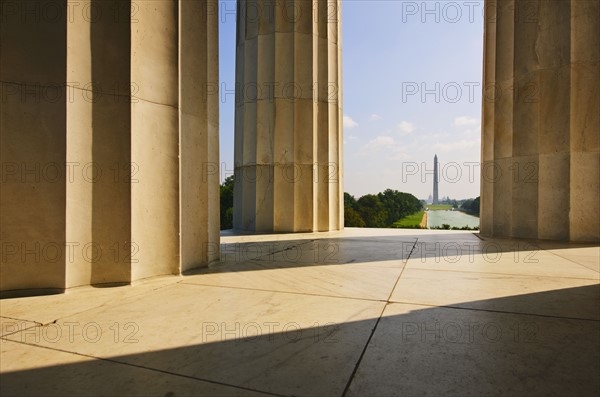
{"x": 364, "y": 312}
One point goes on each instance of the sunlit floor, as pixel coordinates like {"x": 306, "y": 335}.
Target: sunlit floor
{"x": 364, "y": 312}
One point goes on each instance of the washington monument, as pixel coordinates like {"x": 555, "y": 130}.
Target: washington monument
{"x": 435, "y": 180}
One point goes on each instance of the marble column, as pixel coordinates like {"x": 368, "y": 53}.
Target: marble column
{"x": 541, "y": 129}
{"x": 288, "y": 121}
{"x": 109, "y": 119}
{"x": 98, "y": 110}
{"x": 33, "y": 145}
{"x": 199, "y": 191}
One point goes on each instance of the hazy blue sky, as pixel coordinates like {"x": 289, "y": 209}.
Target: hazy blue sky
{"x": 412, "y": 76}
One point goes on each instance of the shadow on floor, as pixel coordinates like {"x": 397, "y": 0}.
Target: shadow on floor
{"x": 276, "y": 253}
{"x": 412, "y": 350}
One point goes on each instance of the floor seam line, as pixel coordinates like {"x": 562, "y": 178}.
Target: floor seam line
{"x": 146, "y": 368}
{"x": 570, "y": 260}
{"x": 128, "y": 299}
{"x": 286, "y": 292}
{"x": 364, "y": 351}
{"x": 133, "y": 297}
{"x": 3, "y": 337}
{"x": 276, "y": 252}
{"x": 506, "y": 274}
{"x": 402, "y": 271}
{"x": 493, "y": 311}
{"x": 22, "y": 319}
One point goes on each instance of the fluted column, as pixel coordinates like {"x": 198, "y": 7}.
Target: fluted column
{"x": 288, "y": 123}
{"x": 540, "y": 129}
{"x": 109, "y": 135}
{"x": 585, "y": 120}
{"x": 98, "y": 108}
{"x": 199, "y": 227}
{"x": 33, "y": 145}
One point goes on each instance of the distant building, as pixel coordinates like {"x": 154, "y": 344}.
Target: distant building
{"x": 430, "y": 199}
{"x": 435, "y": 180}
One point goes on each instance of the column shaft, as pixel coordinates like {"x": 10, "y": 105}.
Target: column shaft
{"x": 540, "y": 135}
{"x": 488, "y": 113}
{"x": 288, "y": 131}
{"x": 33, "y": 145}
{"x": 109, "y": 141}
{"x": 98, "y": 226}
{"x": 584, "y": 125}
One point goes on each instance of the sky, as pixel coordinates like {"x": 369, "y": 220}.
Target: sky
{"x": 412, "y": 75}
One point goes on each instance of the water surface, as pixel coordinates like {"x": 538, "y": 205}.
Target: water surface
{"x": 452, "y": 218}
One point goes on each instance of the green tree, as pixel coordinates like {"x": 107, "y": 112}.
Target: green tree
{"x": 349, "y": 201}
{"x": 471, "y": 205}
{"x": 467, "y": 205}
{"x": 475, "y": 206}
{"x": 372, "y": 211}
{"x": 398, "y": 205}
{"x": 352, "y": 218}
{"x": 227, "y": 203}
{"x": 380, "y": 210}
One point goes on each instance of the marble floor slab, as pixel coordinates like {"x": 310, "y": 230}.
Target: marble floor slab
{"x": 362, "y": 312}
{"x": 421, "y": 350}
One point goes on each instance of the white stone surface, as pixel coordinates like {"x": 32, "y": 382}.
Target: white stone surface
{"x": 300, "y": 327}
{"x": 541, "y": 125}
{"x": 130, "y": 134}
{"x": 288, "y": 145}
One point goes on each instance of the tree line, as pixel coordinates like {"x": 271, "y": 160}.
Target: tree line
{"x": 379, "y": 210}
{"x": 471, "y": 206}
{"x": 227, "y": 203}
{"x": 370, "y": 210}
